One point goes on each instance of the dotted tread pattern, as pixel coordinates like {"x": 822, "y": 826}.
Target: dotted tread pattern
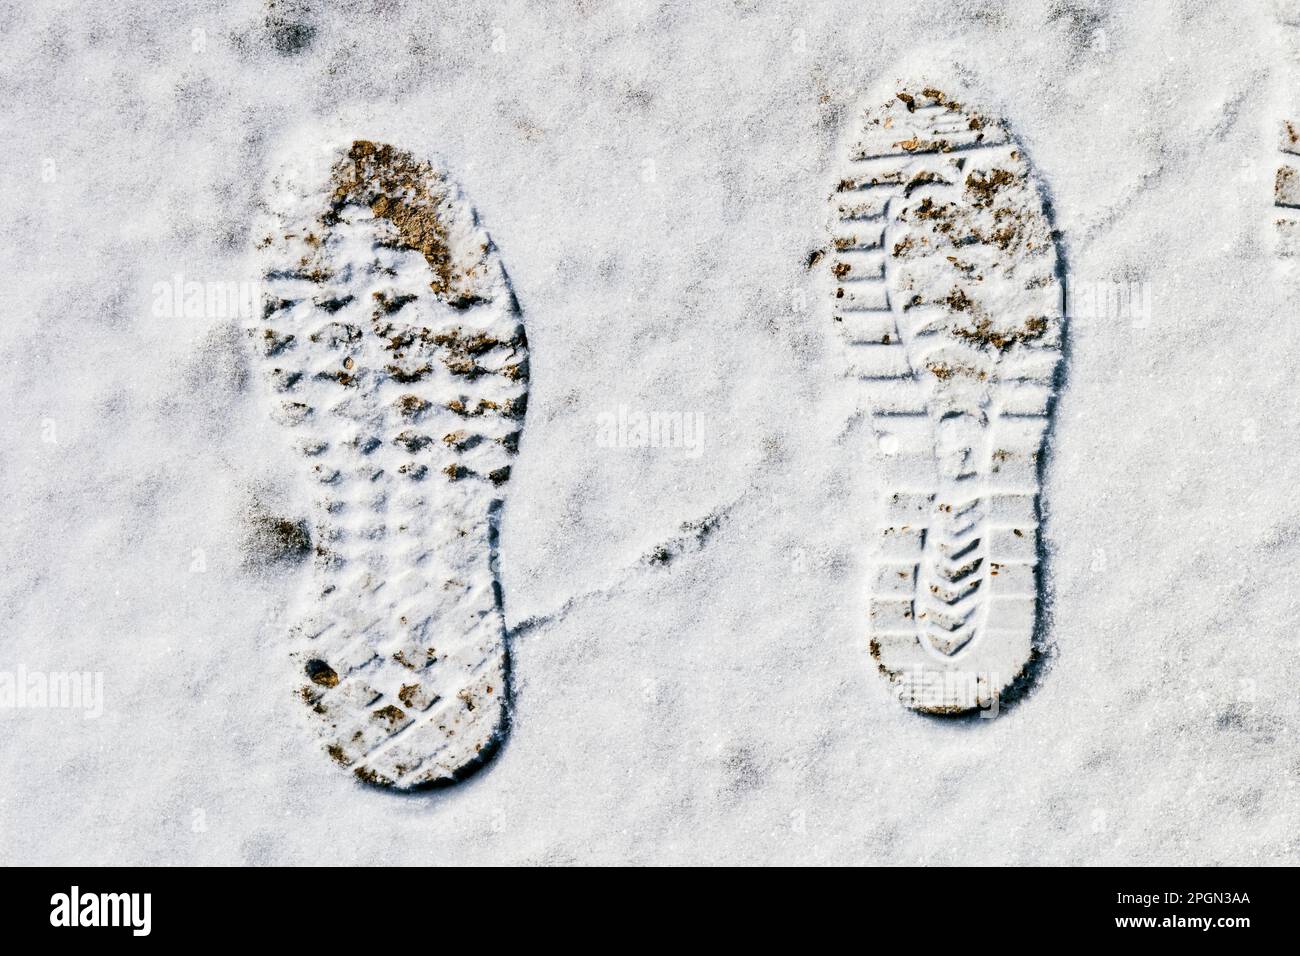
{"x": 397, "y": 365}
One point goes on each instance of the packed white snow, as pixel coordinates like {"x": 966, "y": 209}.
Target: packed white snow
{"x": 655, "y": 177}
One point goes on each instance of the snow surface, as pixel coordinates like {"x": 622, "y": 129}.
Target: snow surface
{"x": 655, "y": 178}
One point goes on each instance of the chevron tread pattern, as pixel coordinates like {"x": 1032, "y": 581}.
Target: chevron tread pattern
{"x": 943, "y": 283}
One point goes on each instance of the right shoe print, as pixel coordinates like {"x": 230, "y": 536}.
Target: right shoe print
{"x": 944, "y": 280}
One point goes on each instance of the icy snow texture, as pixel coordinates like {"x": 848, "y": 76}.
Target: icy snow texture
{"x": 656, "y": 179}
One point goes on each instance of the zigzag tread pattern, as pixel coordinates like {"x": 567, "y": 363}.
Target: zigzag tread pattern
{"x": 397, "y": 365}
{"x": 943, "y": 284}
